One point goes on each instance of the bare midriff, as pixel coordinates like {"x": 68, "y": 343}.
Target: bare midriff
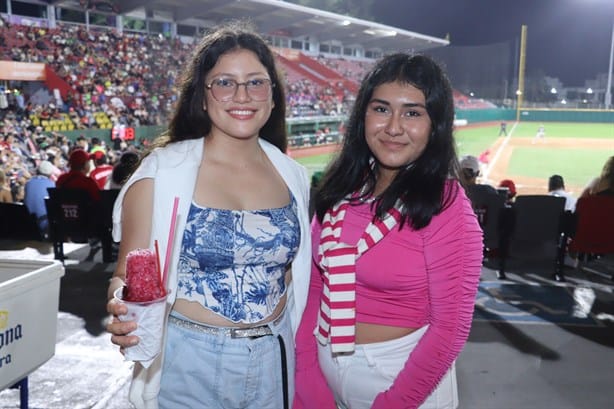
{"x": 196, "y": 312}
{"x": 370, "y": 333}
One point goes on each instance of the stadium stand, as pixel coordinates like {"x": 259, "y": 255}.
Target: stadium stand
{"x": 462, "y": 101}
{"x": 347, "y": 68}
{"x": 110, "y": 78}
{"x": 97, "y": 77}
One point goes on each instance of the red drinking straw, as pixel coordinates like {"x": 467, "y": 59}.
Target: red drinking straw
{"x": 158, "y": 264}
{"x": 169, "y": 244}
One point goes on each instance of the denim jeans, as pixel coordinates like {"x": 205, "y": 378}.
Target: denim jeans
{"x": 215, "y": 371}
{"x": 356, "y": 379}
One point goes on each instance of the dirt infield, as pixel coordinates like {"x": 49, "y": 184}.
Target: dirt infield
{"x": 503, "y": 149}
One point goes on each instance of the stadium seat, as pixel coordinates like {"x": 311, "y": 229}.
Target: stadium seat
{"x": 537, "y": 230}
{"x": 594, "y": 231}
{"x": 17, "y": 223}
{"x": 70, "y": 213}
{"x": 488, "y": 208}
{"x": 495, "y": 220}
{"x": 74, "y": 217}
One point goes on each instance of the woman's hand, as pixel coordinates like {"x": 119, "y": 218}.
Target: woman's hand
{"x": 119, "y": 330}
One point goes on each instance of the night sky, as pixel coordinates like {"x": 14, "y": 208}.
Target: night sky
{"x": 568, "y": 39}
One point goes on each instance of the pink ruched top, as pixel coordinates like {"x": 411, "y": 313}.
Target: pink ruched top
{"x": 409, "y": 279}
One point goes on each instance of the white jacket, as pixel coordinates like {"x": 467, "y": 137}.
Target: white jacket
{"x": 174, "y": 169}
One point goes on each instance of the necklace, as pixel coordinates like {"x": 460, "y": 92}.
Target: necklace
{"x": 363, "y": 189}
{"x": 362, "y": 198}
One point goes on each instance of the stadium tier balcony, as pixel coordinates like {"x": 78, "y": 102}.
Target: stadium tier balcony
{"x": 350, "y": 69}
{"x": 462, "y": 101}
{"x": 108, "y": 71}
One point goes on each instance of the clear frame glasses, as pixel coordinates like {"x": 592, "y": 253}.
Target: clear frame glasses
{"x": 224, "y": 89}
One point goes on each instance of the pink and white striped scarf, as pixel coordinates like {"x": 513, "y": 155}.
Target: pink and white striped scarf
{"x": 337, "y": 318}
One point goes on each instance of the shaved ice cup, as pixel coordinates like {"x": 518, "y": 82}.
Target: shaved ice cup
{"x": 149, "y": 317}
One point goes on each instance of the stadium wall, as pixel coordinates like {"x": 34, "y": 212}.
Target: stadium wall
{"x": 142, "y": 132}
{"x": 537, "y": 115}
{"x": 485, "y": 115}
{"x": 302, "y": 130}
{"x": 297, "y": 128}
{"x": 570, "y": 115}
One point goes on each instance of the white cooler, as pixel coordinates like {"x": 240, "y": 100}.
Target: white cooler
{"x": 29, "y": 298}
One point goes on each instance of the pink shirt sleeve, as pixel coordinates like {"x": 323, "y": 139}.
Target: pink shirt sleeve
{"x": 453, "y": 256}
{"x": 311, "y": 389}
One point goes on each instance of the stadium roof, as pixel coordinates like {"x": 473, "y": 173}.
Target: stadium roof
{"x": 274, "y": 17}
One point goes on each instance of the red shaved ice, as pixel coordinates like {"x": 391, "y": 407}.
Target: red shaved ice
{"x": 143, "y": 282}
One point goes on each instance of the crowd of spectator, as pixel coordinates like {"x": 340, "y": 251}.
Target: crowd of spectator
{"x": 304, "y": 98}
{"x": 115, "y": 79}
{"x": 129, "y": 78}
{"x": 347, "y": 68}
{"x": 27, "y": 154}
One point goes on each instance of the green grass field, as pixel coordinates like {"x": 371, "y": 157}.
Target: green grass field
{"x": 578, "y": 164}
{"x": 472, "y": 141}
{"x": 316, "y": 162}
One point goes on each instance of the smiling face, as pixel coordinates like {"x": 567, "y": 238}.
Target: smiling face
{"x": 397, "y": 126}
{"x": 241, "y": 116}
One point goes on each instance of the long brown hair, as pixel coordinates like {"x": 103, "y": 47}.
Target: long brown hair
{"x": 190, "y": 120}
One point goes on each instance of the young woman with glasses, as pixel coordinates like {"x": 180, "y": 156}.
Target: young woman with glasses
{"x": 397, "y": 252}
{"x": 239, "y": 265}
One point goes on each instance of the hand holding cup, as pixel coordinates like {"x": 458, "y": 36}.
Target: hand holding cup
{"x": 144, "y": 298}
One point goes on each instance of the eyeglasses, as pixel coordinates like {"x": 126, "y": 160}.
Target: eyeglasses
{"x": 224, "y": 89}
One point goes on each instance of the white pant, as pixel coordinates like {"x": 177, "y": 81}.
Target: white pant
{"x": 356, "y": 379}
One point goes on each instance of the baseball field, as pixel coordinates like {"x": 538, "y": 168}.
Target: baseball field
{"x": 576, "y": 151}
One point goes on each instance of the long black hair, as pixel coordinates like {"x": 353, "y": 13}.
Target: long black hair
{"x": 421, "y": 186}
{"x": 190, "y": 120}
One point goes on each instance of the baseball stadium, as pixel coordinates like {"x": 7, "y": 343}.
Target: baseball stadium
{"x": 104, "y": 78}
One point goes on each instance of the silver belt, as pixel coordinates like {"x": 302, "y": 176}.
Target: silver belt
{"x": 253, "y": 332}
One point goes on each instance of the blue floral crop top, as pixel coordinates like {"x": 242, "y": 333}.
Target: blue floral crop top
{"x": 234, "y": 262}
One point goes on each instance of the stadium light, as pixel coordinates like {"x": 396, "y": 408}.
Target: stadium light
{"x": 589, "y": 91}
{"x": 553, "y": 90}
{"x": 380, "y": 32}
